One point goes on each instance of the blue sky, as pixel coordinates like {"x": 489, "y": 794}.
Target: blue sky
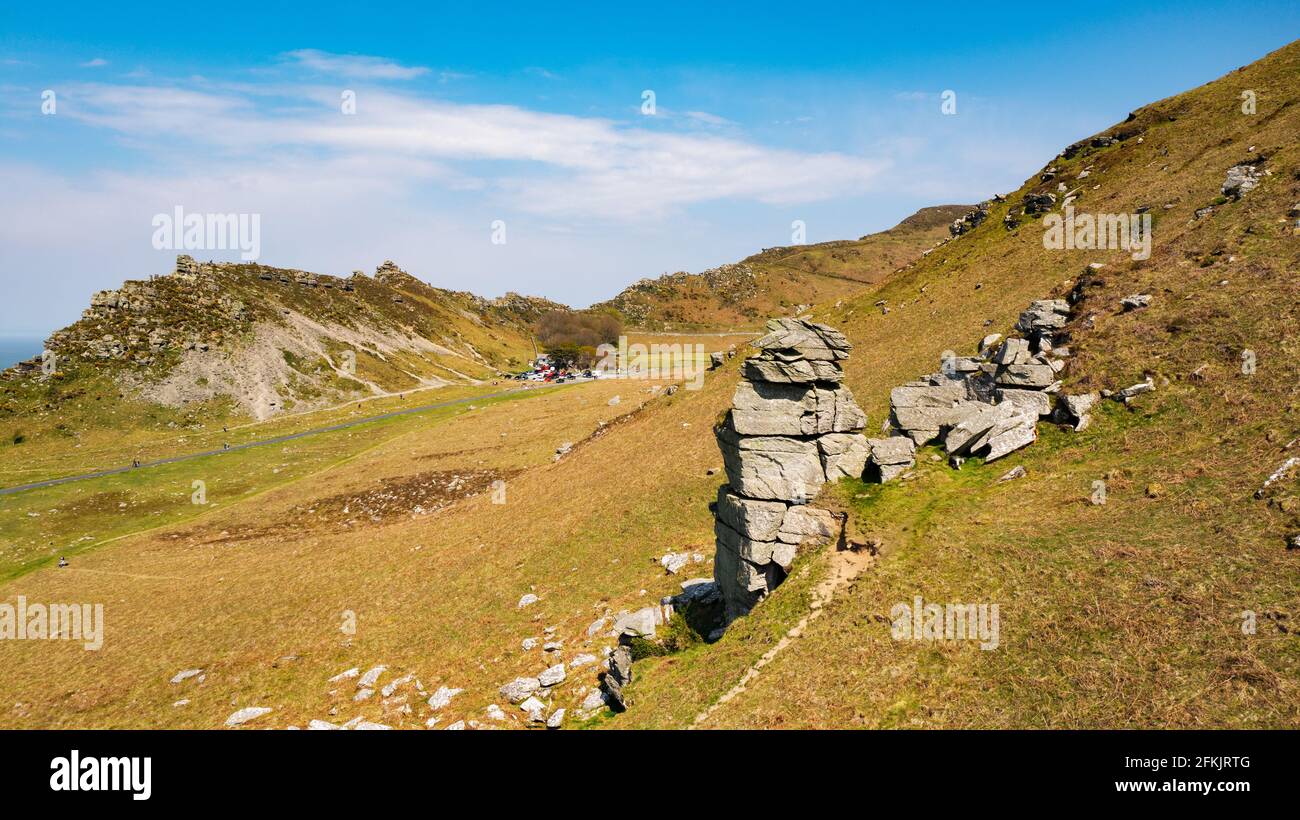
{"x": 470, "y": 113}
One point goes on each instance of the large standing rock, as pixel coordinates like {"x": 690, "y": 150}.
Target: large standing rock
{"x": 771, "y": 467}
{"x": 803, "y": 524}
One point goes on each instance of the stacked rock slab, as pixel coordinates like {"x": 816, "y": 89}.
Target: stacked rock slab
{"x": 986, "y": 405}
{"x": 793, "y": 426}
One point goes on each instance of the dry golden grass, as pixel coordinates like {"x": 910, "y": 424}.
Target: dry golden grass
{"x": 1126, "y": 614}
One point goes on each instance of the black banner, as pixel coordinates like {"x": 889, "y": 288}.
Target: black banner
{"x": 148, "y": 770}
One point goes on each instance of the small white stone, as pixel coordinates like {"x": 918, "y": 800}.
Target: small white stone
{"x": 246, "y": 714}
{"x": 188, "y": 673}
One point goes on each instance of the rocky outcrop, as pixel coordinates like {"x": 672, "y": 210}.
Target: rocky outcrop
{"x": 985, "y": 405}
{"x": 793, "y": 426}
{"x": 1240, "y": 179}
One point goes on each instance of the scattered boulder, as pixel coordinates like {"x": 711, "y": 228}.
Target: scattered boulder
{"x": 528, "y": 599}
{"x": 593, "y": 702}
{"x": 1134, "y": 390}
{"x": 553, "y": 676}
{"x": 891, "y": 457}
{"x": 246, "y": 714}
{"x": 1038, "y": 203}
{"x": 371, "y": 677}
{"x": 1074, "y": 410}
{"x": 1011, "y": 475}
{"x": 520, "y": 689}
{"x": 186, "y": 675}
{"x": 1135, "y": 302}
{"x": 442, "y": 698}
{"x": 675, "y": 562}
{"x": 643, "y": 622}
{"x": 346, "y": 675}
{"x": 1241, "y": 179}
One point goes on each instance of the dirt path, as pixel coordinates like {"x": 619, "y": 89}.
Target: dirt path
{"x": 846, "y": 565}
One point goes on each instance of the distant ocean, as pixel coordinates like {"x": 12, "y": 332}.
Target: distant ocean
{"x": 15, "y": 349}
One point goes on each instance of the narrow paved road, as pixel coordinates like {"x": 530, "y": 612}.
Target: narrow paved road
{"x": 277, "y": 440}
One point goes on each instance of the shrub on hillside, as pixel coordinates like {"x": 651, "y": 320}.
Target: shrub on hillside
{"x": 583, "y": 329}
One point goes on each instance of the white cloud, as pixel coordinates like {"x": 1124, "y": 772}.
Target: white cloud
{"x": 98, "y": 62}
{"x": 536, "y": 161}
{"x": 354, "y": 66}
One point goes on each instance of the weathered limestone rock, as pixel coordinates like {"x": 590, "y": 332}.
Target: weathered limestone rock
{"x": 1016, "y": 430}
{"x": 844, "y": 455}
{"x": 246, "y": 714}
{"x": 520, "y": 689}
{"x": 1033, "y": 401}
{"x": 1032, "y": 375}
{"x": 1013, "y": 351}
{"x": 749, "y": 517}
{"x": 1075, "y": 410}
{"x": 1240, "y": 179}
{"x": 774, "y": 409}
{"x": 921, "y": 409}
{"x": 1135, "y": 302}
{"x": 643, "y": 622}
{"x": 891, "y": 457}
{"x": 797, "y": 338}
{"x": 752, "y": 551}
{"x": 771, "y": 467}
{"x": 799, "y": 372}
{"x": 1044, "y": 316}
{"x": 804, "y": 524}
{"x": 792, "y": 428}
{"x": 966, "y": 435}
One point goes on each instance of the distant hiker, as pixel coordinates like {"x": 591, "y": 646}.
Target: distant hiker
{"x": 223, "y": 429}
{"x": 225, "y": 445}
{"x": 63, "y": 562}
{"x": 135, "y": 462}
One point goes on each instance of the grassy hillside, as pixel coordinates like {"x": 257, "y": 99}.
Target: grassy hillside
{"x": 1122, "y": 614}
{"x": 781, "y": 281}
{"x": 1125, "y": 614}
{"x": 232, "y": 342}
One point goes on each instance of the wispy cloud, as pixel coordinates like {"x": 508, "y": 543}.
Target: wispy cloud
{"x": 537, "y": 161}
{"x": 98, "y": 62}
{"x": 354, "y": 66}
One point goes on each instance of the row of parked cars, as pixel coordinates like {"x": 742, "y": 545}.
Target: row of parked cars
{"x": 553, "y": 375}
